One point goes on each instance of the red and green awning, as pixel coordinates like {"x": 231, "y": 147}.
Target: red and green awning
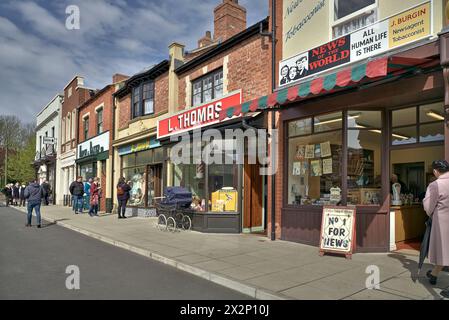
{"x": 328, "y": 83}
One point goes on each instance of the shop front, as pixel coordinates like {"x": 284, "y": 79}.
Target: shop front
{"x": 143, "y": 164}
{"x": 91, "y": 158}
{"x": 227, "y": 190}
{"x": 45, "y": 166}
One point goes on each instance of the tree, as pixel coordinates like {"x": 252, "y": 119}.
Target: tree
{"x": 20, "y": 165}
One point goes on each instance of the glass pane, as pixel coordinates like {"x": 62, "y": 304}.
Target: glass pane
{"x": 331, "y": 121}
{"x": 431, "y": 132}
{"x": 314, "y": 169}
{"x": 158, "y": 155}
{"x": 148, "y": 106}
{"x": 207, "y": 95}
{"x": 346, "y": 7}
{"x": 404, "y": 117}
{"x": 207, "y": 83}
{"x": 300, "y": 127}
{"x": 364, "y": 167}
{"x": 218, "y": 91}
{"x": 197, "y": 87}
{"x": 191, "y": 176}
{"x": 144, "y": 157}
{"x": 404, "y": 135}
{"x": 88, "y": 171}
{"x": 218, "y": 78}
{"x": 431, "y": 112}
{"x": 365, "y": 119}
{"x": 197, "y": 99}
{"x": 223, "y": 183}
{"x": 138, "y": 186}
{"x": 129, "y": 160}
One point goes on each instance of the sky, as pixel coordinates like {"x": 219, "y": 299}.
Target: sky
{"x": 39, "y": 55}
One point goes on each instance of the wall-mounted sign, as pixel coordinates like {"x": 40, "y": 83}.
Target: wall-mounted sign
{"x": 197, "y": 117}
{"x": 401, "y": 29}
{"x": 139, "y": 146}
{"x": 48, "y": 140}
{"x": 338, "y": 230}
{"x": 93, "y": 146}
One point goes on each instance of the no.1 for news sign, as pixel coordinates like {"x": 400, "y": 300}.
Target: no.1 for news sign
{"x": 338, "y": 230}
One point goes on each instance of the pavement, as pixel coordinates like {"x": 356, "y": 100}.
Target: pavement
{"x": 258, "y": 267}
{"x": 34, "y": 263}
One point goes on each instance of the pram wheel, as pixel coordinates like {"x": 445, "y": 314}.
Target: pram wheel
{"x": 186, "y": 222}
{"x": 171, "y": 224}
{"x": 162, "y": 222}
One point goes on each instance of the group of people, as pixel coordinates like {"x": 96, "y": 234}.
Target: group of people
{"x": 15, "y": 193}
{"x": 90, "y": 189}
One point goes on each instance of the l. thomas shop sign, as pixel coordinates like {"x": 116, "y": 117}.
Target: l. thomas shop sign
{"x": 93, "y": 146}
{"x": 196, "y": 117}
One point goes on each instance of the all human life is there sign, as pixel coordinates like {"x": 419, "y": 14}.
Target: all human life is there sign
{"x": 337, "y": 230}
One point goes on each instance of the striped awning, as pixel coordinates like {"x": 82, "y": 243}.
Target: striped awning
{"x": 328, "y": 83}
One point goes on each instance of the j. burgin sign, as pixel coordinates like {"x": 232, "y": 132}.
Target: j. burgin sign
{"x": 93, "y": 146}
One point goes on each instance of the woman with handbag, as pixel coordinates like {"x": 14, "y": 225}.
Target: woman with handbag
{"x": 95, "y": 194}
{"x": 436, "y": 205}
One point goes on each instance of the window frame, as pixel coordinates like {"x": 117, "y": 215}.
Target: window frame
{"x": 201, "y": 79}
{"x": 361, "y": 12}
{"x": 99, "y": 112}
{"x": 138, "y": 107}
{"x": 86, "y": 128}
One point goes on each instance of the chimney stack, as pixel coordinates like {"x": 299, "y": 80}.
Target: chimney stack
{"x": 206, "y": 40}
{"x": 119, "y": 77}
{"x": 229, "y": 19}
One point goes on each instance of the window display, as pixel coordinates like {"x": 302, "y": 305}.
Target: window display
{"x": 315, "y": 161}
{"x": 138, "y": 187}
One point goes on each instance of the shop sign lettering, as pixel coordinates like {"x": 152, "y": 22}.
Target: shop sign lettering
{"x": 404, "y": 28}
{"x": 93, "y": 146}
{"x": 337, "y": 229}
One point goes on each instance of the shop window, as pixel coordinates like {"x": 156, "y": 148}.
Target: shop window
{"x": 207, "y": 88}
{"x": 350, "y": 15}
{"x": 88, "y": 171}
{"x": 428, "y": 120}
{"x": 191, "y": 177}
{"x": 138, "y": 186}
{"x": 300, "y": 127}
{"x": 328, "y": 122}
{"x": 364, "y": 164}
{"x": 100, "y": 121}
{"x": 129, "y": 160}
{"x": 144, "y": 157}
{"x": 364, "y": 119}
{"x": 314, "y": 166}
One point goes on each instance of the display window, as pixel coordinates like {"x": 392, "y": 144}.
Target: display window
{"x": 88, "y": 170}
{"x": 138, "y": 187}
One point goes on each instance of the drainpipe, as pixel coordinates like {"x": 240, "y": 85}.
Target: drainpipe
{"x": 272, "y": 34}
{"x": 114, "y": 107}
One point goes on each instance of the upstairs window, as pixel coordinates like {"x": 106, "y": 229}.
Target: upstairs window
{"x": 143, "y": 99}
{"x": 350, "y": 15}
{"x": 207, "y": 88}
{"x": 100, "y": 121}
{"x": 86, "y": 127}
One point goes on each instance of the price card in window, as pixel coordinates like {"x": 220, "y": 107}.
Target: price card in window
{"x": 338, "y": 230}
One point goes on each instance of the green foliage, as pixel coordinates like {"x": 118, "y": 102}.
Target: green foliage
{"x": 20, "y": 165}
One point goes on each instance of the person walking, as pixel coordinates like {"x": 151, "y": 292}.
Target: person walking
{"x": 77, "y": 191}
{"x": 436, "y": 205}
{"x": 8, "y": 194}
{"x": 34, "y": 194}
{"x": 95, "y": 191}
{"x": 16, "y": 194}
{"x": 86, "y": 197}
{"x": 22, "y": 194}
{"x": 122, "y": 197}
{"x": 47, "y": 189}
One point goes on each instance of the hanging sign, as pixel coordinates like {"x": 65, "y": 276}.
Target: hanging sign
{"x": 404, "y": 28}
{"x": 338, "y": 230}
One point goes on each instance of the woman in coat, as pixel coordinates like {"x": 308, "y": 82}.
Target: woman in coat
{"x": 16, "y": 193}
{"x": 95, "y": 189}
{"x": 436, "y": 205}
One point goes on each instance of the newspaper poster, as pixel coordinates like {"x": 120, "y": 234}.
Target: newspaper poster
{"x": 327, "y": 166}
{"x": 316, "y": 168}
{"x": 310, "y": 151}
{"x": 300, "y": 152}
{"x": 296, "y": 168}
{"x": 326, "y": 149}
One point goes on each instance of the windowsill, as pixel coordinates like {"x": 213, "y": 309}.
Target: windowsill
{"x": 146, "y": 117}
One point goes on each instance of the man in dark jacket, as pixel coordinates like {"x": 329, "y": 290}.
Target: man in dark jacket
{"x": 22, "y": 194}
{"x": 122, "y": 197}
{"x": 77, "y": 191}
{"x": 46, "y": 187}
{"x": 8, "y": 194}
{"x": 34, "y": 194}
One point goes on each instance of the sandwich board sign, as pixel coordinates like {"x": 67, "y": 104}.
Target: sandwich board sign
{"x": 338, "y": 230}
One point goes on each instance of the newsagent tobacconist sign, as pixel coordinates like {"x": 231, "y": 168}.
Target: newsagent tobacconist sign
{"x": 93, "y": 146}
{"x": 196, "y": 117}
{"x": 338, "y": 230}
{"x": 404, "y": 28}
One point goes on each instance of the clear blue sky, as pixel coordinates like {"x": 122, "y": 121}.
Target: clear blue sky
{"x": 38, "y": 55}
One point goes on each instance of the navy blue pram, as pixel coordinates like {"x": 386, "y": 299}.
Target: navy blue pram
{"x": 178, "y": 196}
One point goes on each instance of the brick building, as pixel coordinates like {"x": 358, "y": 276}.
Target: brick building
{"x": 75, "y": 94}
{"x": 229, "y": 68}
{"x": 94, "y": 145}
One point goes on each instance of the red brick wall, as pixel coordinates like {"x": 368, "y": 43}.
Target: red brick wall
{"x": 161, "y": 93}
{"x": 124, "y": 111}
{"x": 104, "y": 98}
{"x": 248, "y": 69}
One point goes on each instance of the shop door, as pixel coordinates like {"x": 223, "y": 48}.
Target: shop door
{"x": 252, "y": 199}
{"x": 154, "y": 183}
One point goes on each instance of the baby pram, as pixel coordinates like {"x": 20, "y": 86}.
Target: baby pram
{"x": 174, "y": 210}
